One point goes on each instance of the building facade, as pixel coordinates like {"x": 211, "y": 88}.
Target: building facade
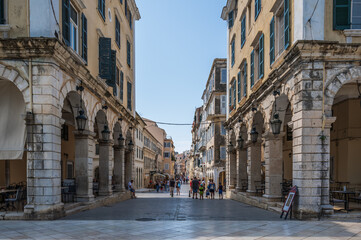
{"x": 168, "y": 156}
{"x": 293, "y": 84}
{"x": 67, "y": 72}
{"x": 139, "y": 152}
{"x": 152, "y": 153}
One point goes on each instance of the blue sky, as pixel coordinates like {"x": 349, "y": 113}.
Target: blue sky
{"x": 176, "y": 42}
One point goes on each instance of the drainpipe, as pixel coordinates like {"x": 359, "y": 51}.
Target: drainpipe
{"x": 323, "y": 96}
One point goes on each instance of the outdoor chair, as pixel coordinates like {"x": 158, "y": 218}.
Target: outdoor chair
{"x": 260, "y": 187}
{"x": 334, "y": 200}
{"x": 10, "y": 202}
{"x": 68, "y": 190}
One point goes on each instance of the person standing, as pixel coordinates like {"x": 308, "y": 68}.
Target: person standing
{"x": 131, "y": 189}
{"x": 212, "y": 188}
{"x": 201, "y": 191}
{"x": 178, "y": 187}
{"x": 157, "y": 186}
{"x": 171, "y": 187}
{"x": 220, "y": 191}
{"x": 195, "y": 186}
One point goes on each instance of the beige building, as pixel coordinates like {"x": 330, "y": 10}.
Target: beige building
{"x": 139, "y": 152}
{"x": 67, "y": 72}
{"x": 168, "y": 156}
{"x": 293, "y": 101}
{"x": 152, "y": 153}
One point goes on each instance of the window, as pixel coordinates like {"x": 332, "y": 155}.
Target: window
{"x": 245, "y": 79}
{"x": 234, "y": 93}
{"x": 261, "y": 57}
{"x": 129, "y": 96}
{"x": 223, "y": 75}
{"x": 121, "y": 1}
{"x": 2, "y": 12}
{"x": 96, "y": 149}
{"x": 223, "y": 129}
{"x": 128, "y": 53}
{"x": 252, "y": 68}
{"x": 117, "y": 31}
{"x": 232, "y": 53}
{"x": 243, "y": 30}
{"x": 272, "y": 41}
{"x": 223, "y": 104}
{"x": 167, "y": 144}
{"x": 230, "y": 19}
{"x": 101, "y": 8}
{"x": 69, "y": 170}
{"x": 166, "y": 154}
{"x": 84, "y": 34}
{"x": 346, "y": 14}
{"x": 257, "y": 8}
{"x": 222, "y": 153}
{"x": 166, "y": 166}
{"x": 239, "y": 86}
{"x": 121, "y": 86}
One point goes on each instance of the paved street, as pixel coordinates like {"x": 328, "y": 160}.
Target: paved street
{"x": 157, "y": 216}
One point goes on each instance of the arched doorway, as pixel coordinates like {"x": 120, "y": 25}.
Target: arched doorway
{"x": 129, "y": 158}
{"x": 13, "y": 158}
{"x": 232, "y": 160}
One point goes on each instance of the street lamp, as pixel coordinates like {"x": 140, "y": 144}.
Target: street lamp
{"x": 240, "y": 141}
{"x": 121, "y": 139}
{"x": 230, "y": 146}
{"x": 131, "y": 145}
{"x": 81, "y": 120}
{"x": 276, "y": 124}
{"x": 105, "y": 133}
{"x": 254, "y": 135}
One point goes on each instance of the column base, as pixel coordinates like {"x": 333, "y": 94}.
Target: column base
{"x": 327, "y": 210}
{"x": 105, "y": 193}
{"x": 272, "y": 198}
{"x": 119, "y": 188}
{"x": 238, "y": 189}
{"x": 44, "y": 212}
{"x": 251, "y": 192}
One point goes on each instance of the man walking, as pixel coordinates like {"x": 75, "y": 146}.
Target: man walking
{"x": 195, "y": 186}
{"x": 171, "y": 185}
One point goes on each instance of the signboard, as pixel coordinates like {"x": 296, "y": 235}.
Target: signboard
{"x": 287, "y": 206}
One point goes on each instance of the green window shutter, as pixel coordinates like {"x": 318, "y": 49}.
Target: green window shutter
{"x": 232, "y": 52}
{"x": 239, "y": 86}
{"x": 117, "y": 31}
{"x": 272, "y": 41}
{"x": 105, "y": 57}
{"x": 341, "y": 14}
{"x": 234, "y": 94}
{"x": 2, "y": 12}
{"x": 230, "y": 19}
{"x": 230, "y": 99}
{"x": 129, "y": 96}
{"x": 101, "y": 8}
{"x": 126, "y": 7}
{"x": 84, "y": 40}
{"x": 286, "y": 15}
{"x": 128, "y": 53}
{"x": 66, "y": 21}
{"x": 113, "y": 69}
{"x": 121, "y": 86}
{"x": 130, "y": 19}
{"x": 261, "y": 57}
{"x": 257, "y": 8}
{"x": 245, "y": 79}
{"x": 252, "y": 68}
{"x": 121, "y": 1}
{"x": 243, "y": 30}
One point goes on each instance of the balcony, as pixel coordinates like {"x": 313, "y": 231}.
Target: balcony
{"x": 202, "y": 145}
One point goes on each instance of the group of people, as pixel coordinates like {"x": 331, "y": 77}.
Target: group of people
{"x": 199, "y": 187}
{"x": 169, "y": 185}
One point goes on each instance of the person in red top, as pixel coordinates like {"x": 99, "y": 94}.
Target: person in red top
{"x": 190, "y": 190}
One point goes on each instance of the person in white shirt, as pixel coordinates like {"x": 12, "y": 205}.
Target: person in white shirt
{"x": 131, "y": 189}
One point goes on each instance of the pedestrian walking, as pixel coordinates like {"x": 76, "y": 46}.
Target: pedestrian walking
{"x": 131, "y": 189}
{"x": 201, "y": 192}
{"x": 178, "y": 187}
{"x": 195, "y": 186}
{"x": 171, "y": 185}
{"x": 207, "y": 193}
{"x": 220, "y": 191}
{"x": 212, "y": 188}
{"x": 167, "y": 185}
{"x": 190, "y": 189}
{"x": 157, "y": 186}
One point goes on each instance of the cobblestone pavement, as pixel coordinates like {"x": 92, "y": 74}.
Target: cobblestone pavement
{"x": 157, "y": 216}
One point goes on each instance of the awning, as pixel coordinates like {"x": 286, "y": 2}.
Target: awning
{"x": 12, "y": 123}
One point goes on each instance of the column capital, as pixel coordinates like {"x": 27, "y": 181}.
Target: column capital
{"x": 328, "y": 121}
{"x": 84, "y": 133}
{"x": 105, "y": 142}
{"x": 118, "y": 147}
{"x": 270, "y": 136}
{"x": 249, "y": 143}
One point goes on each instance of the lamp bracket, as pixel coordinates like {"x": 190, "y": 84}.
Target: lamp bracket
{"x": 276, "y": 92}
{"x": 79, "y": 88}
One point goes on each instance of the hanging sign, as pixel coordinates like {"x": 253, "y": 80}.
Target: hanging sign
{"x": 287, "y": 206}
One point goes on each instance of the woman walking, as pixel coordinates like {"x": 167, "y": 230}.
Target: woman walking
{"x": 178, "y": 186}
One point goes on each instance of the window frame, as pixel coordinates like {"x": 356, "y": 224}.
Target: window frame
{"x": 258, "y": 7}
{"x": 101, "y": 8}
{"x": 243, "y": 30}
{"x": 225, "y": 79}
{"x": 117, "y": 31}
{"x": 233, "y": 57}
{"x": 71, "y": 24}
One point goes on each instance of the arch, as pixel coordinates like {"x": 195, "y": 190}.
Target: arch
{"x": 332, "y": 87}
{"x": 258, "y": 123}
{"x": 117, "y": 129}
{"x": 281, "y": 106}
{"x": 13, "y": 75}
{"x": 100, "y": 121}
{"x": 67, "y": 87}
{"x": 71, "y": 107}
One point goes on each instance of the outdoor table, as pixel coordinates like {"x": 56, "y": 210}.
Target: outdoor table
{"x": 346, "y": 197}
{"x": 4, "y": 193}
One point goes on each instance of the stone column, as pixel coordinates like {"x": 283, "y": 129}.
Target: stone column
{"x": 241, "y": 167}
{"x": 105, "y": 175}
{"x": 273, "y": 155}
{"x": 83, "y": 166}
{"x": 232, "y": 169}
{"x": 253, "y": 165}
{"x": 129, "y": 167}
{"x": 119, "y": 168}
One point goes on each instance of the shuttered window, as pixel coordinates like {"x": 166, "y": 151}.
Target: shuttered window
{"x": 252, "y": 68}
{"x": 243, "y": 30}
{"x": 239, "y": 86}
{"x": 245, "y": 79}
{"x": 129, "y": 96}
{"x": 84, "y": 34}
{"x": 261, "y": 57}
{"x": 272, "y": 41}
{"x": 230, "y": 19}
{"x": 113, "y": 72}
{"x": 66, "y": 21}
{"x": 128, "y": 53}
{"x": 287, "y": 22}
{"x": 101, "y": 8}
{"x": 2, "y": 12}
{"x": 232, "y": 53}
{"x": 341, "y": 14}
{"x": 257, "y": 8}
{"x": 230, "y": 99}
{"x": 117, "y": 31}
{"x": 126, "y": 7}
{"x": 121, "y": 1}
{"x": 105, "y": 53}
{"x": 223, "y": 104}
{"x": 121, "y": 86}
{"x": 234, "y": 93}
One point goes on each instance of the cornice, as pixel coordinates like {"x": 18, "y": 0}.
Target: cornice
{"x": 66, "y": 60}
